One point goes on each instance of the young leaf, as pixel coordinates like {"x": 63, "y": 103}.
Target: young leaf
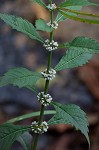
{"x": 20, "y": 77}
{"x": 39, "y": 2}
{"x": 70, "y": 114}
{"x": 9, "y": 133}
{"x": 25, "y": 141}
{"x": 21, "y": 25}
{"x": 73, "y": 17}
{"x": 41, "y": 25}
{"x": 61, "y": 17}
{"x": 77, "y": 3}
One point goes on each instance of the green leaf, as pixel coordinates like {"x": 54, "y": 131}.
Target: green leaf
{"x": 77, "y": 3}
{"x": 9, "y": 133}
{"x": 68, "y": 61}
{"x": 39, "y": 2}
{"x": 73, "y": 59}
{"x": 79, "y": 51}
{"x": 80, "y": 13}
{"x": 41, "y": 25}
{"x": 83, "y": 43}
{"x": 70, "y": 114}
{"x": 61, "y": 17}
{"x": 34, "y": 114}
{"x": 25, "y": 141}
{"x": 20, "y": 77}
{"x": 21, "y": 25}
{"x": 73, "y": 17}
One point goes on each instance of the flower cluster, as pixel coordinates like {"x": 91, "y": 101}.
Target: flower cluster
{"x": 51, "y": 6}
{"x": 44, "y": 99}
{"x": 39, "y": 128}
{"x": 54, "y": 25}
{"x": 49, "y": 75}
{"x": 50, "y": 46}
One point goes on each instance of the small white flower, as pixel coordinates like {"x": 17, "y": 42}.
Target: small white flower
{"x": 47, "y": 41}
{"x": 51, "y": 6}
{"x": 34, "y": 122}
{"x": 32, "y": 129}
{"x": 45, "y": 129}
{"x": 39, "y": 129}
{"x": 45, "y": 123}
{"x": 55, "y": 44}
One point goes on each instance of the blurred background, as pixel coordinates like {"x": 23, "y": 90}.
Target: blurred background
{"x": 79, "y": 86}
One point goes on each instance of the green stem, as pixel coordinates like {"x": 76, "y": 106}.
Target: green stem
{"x": 46, "y": 84}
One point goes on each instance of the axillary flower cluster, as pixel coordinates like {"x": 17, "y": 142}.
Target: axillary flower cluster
{"x": 50, "y": 75}
{"x": 36, "y": 128}
{"x": 50, "y": 46}
{"x": 54, "y": 25}
{"x": 44, "y": 99}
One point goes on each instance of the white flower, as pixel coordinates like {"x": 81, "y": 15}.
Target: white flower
{"x": 47, "y": 41}
{"x": 34, "y": 122}
{"x": 51, "y": 6}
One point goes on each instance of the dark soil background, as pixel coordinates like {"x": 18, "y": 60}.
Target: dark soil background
{"x": 79, "y": 85}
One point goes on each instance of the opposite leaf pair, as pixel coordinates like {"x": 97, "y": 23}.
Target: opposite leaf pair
{"x": 65, "y": 114}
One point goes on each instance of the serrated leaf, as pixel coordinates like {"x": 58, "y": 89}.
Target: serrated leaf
{"x": 9, "y": 133}
{"x": 42, "y": 25}
{"x": 20, "y": 77}
{"x": 61, "y": 17}
{"x": 80, "y": 19}
{"x": 73, "y": 59}
{"x": 25, "y": 141}
{"x": 83, "y": 43}
{"x": 78, "y": 53}
{"x": 39, "y": 2}
{"x": 21, "y": 25}
{"x": 77, "y": 3}
{"x": 70, "y": 114}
